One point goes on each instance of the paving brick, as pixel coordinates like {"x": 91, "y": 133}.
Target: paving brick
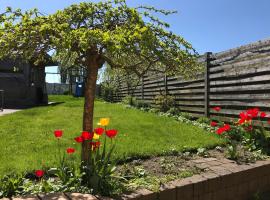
{"x": 213, "y": 181}
{"x": 54, "y": 196}
{"x": 146, "y": 194}
{"x": 168, "y": 191}
{"x": 132, "y": 195}
{"x": 226, "y": 161}
{"x": 78, "y": 196}
{"x": 202, "y": 166}
{"x": 103, "y": 198}
{"x": 30, "y": 197}
{"x": 214, "y": 163}
{"x": 185, "y": 192}
{"x": 221, "y": 171}
{"x": 231, "y": 167}
{"x": 199, "y": 161}
{"x": 201, "y": 188}
{"x": 210, "y": 159}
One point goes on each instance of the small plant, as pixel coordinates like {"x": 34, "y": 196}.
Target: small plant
{"x": 130, "y": 100}
{"x": 142, "y": 105}
{"x": 204, "y": 120}
{"x": 11, "y": 185}
{"x": 107, "y": 92}
{"x": 174, "y": 111}
{"x": 186, "y": 115}
{"x": 164, "y": 102}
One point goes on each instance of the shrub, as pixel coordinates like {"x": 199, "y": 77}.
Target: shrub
{"x": 164, "y": 102}
{"x": 129, "y": 100}
{"x": 204, "y": 120}
{"x": 107, "y": 93}
{"x": 186, "y": 115}
{"x": 174, "y": 111}
{"x": 142, "y": 104}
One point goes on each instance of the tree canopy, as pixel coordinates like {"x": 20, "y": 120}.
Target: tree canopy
{"x": 124, "y": 37}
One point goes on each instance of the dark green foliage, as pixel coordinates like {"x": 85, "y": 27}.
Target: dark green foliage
{"x": 107, "y": 93}
{"x": 130, "y": 100}
{"x": 204, "y": 120}
{"x": 11, "y": 185}
{"x": 174, "y": 111}
{"x": 164, "y": 102}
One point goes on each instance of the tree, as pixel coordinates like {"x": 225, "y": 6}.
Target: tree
{"x": 91, "y": 34}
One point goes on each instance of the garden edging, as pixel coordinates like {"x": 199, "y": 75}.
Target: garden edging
{"x": 222, "y": 179}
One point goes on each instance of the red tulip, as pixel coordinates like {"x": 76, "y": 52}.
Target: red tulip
{"x": 223, "y": 129}
{"x": 244, "y": 117}
{"x": 39, "y": 173}
{"x": 70, "y": 150}
{"x": 253, "y": 112}
{"x": 220, "y": 131}
{"x": 58, "y": 133}
{"x": 217, "y": 108}
{"x": 99, "y": 131}
{"x": 87, "y": 136}
{"x": 111, "y": 133}
{"x": 213, "y": 124}
{"x": 227, "y": 127}
{"x": 95, "y": 145}
{"x": 79, "y": 139}
{"x": 263, "y": 114}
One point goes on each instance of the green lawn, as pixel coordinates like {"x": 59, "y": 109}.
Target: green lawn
{"x": 27, "y": 140}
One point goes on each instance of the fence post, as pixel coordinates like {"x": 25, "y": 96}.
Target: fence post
{"x": 207, "y": 84}
{"x": 166, "y": 84}
{"x": 142, "y": 88}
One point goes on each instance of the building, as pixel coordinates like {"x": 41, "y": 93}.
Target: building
{"x": 23, "y": 83}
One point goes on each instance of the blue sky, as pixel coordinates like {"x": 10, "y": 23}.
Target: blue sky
{"x": 209, "y": 25}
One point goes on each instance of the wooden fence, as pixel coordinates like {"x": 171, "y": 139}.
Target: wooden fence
{"x": 236, "y": 79}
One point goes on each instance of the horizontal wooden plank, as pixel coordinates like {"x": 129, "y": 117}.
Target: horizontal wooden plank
{"x": 250, "y": 63}
{"x": 251, "y": 96}
{"x": 240, "y": 103}
{"x": 190, "y": 103}
{"x": 236, "y": 73}
{"x": 241, "y": 81}
{"x": 249, "y": 88}
{"x": 232, "y": 53}
{"x": 187, "y": 108}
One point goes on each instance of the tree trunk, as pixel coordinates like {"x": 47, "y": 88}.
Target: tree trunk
{"x": 90, "y": 89}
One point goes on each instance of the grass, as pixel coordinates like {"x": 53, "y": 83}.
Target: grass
{"x": 27, "y": 140}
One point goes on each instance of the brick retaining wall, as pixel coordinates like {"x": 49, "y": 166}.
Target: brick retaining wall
{"x": 222, "y": 179}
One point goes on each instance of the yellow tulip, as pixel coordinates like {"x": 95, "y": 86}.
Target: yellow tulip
{"x": 104, "y": 122}
{"x": 96, "y": 136}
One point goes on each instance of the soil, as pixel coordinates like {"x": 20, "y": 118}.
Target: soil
{"x": 166, "y": 168}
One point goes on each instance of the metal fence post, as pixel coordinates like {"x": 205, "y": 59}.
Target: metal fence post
{"x": 142, "y": 88}
{"x": 2, "y": 100}
{"x": 207, "y": 84}
{"x": 166, "y": 84}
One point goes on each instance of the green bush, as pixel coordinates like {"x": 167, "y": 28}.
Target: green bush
{"x": 174, "y": 111}
{"x": 129, "y": 100}
{"x": 186, "y": 115}
{"x": 142, "y": 104}
{"x": 107, "y": 93}
{"x": 204, "y": 120}
{"x": 164, "y": 102}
